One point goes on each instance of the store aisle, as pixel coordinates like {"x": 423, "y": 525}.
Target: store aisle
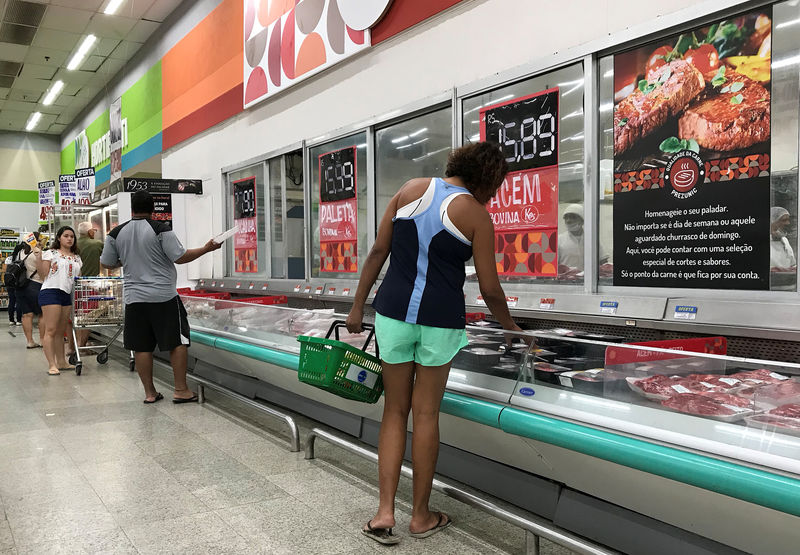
{"x": 85, "y": 467}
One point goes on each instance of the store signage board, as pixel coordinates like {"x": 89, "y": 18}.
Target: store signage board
{"x": 182, "y": 186}
{"x": 245, "y": 242}
{"x": 525, "y": 209}
{"x": 626, "y": 355}
{"x": 67, "y": 189}
{"x": 683, "y": 312}
{"x": 338, "y": 211}
{"x": 609, "y": 307}
{"x": 85, "y": 180}
{"x": 291, "y": 41}
{"x": 692, "y": 190}
{"x": 47, "y": 199}
{"x": 547, "y": 303}
{"x": 162, "y": 210}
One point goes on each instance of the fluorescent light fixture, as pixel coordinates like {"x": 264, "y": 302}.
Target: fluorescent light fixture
{"x": 33, "y": 121}
{"x": 55, "y": 90}
{"x": 83, "y": 49}
{"x": 112, "y": 7}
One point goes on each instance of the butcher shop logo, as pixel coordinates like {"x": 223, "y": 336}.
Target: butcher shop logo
{"x": 683, "y": 173}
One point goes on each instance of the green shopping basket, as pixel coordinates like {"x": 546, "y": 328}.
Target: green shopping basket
{"x": 340, "y": 368}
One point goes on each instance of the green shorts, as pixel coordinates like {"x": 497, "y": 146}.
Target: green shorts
{"x": 403, "y": 342}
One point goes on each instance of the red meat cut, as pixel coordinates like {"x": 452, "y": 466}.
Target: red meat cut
{"x": 727, "y": 399}
{"x": 792, "y": 410}
{"x": 692, "y": 403}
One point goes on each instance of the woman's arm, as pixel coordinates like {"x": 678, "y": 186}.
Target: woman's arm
{"x": 42, "y": 266}
{"x": 372, "y": 267}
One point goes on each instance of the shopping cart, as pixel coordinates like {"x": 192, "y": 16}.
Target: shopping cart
{"x": 96, "y": 303}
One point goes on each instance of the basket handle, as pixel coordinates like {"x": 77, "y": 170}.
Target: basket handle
{"x": 338, "y": 324}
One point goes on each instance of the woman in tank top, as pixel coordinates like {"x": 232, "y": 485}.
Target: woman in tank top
{"x": 431, "y": 228}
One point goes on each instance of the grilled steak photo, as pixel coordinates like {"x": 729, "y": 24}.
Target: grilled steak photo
{"x": 735, "y": 119}
{"x": 669, "y": 91}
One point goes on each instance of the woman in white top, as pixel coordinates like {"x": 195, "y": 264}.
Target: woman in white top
{"x": 781, "y": 255}
{"x": 59, "y": 266}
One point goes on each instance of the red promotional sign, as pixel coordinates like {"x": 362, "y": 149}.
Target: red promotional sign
{"x": 338, "y": 211}
{"x": 245, "y": 242}
{"x": 626, "y": 355}
{"x": 525, "y": 209}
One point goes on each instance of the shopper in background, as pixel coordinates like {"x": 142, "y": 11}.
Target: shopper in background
{"x": 571, "y": 241}
{"x": 154, "y": 314}
{"x": 781, "y": 255}
{"x": 431, "y": 228}
{"x": 28, "y": 296}
{"x": 90, "y": 249}
{"x": 59, "y": 265}
{"x": 14, "y": 307}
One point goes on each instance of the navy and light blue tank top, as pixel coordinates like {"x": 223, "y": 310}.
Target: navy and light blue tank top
{"x": 425, "y": 280}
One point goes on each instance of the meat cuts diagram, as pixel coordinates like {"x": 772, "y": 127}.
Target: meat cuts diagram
{"x": 691, "y": 136}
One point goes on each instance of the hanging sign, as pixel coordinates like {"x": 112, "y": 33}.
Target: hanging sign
{"x": 162, "y": 209}
{"x": 525, "y": 209}
{"x": 188, "y": 186}
{"x": 47, "y": 199}
{"x": 85, "y": 182}
{"x": 67, "y": 189}
{"x": 115, "y": 139}
{"x": 245, "y": 241}
{"x": 692, "y": 150}
{"x": 338, "y": 211}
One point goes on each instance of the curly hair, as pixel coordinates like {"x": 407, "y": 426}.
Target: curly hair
{"x": 57, "y": 241}
{"x": 481, "y": 166}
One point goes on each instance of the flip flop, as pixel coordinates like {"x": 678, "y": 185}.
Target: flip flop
{"x": 438, "y": 528}
{"x": 192, "y": 399}
{"x": 34, "y": 346}
{"x": 380, "y": 535}
{"x": 157, "y": 398}
{"x": 67, "y": 368}
{"x": 57, "y": 373}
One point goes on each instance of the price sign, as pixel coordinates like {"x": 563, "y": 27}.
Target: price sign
{"x": 297, "y": 288}
{"x": 547, "y": 304}
{"x": 245, "y": 242}
{"x": 307, "y": 289}
{"x": 684, "y": 312}
{"x": 525, "y": 209}
{"x": 331, "y": 291}
{"x": 346, "y": 291}
{"x": 252, "y": 285}
{"x": 338, "y": 211}
{"x": 609, "y": 307}
{"x": 526, "y": 129}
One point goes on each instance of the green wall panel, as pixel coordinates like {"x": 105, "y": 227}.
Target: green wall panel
{"x": 141, "y": 105}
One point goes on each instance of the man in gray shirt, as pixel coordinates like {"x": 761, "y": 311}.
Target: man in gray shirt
{"x": 154, "y": 314}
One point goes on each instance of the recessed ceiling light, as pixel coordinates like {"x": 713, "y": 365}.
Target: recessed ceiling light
{"x": 112, "y": 7}
{"x": 83, "y": 49}
{"x": 55, "y": 90}
{"x": 33, "y": 121}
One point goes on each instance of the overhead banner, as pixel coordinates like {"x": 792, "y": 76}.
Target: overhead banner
{"x": 162, "y": 209}
{"x": 115, "y": 130}
{"x": 47, "y": 199}
{"x": 85, "y": 185}
{"x": 338, "y": 211}
{"x": 157, "y": 185}
{"x": 692, "y": 158}
{"x": 67, "y": 189}
{"x": 525, "y": 209}
{"x": 245, "y": 241}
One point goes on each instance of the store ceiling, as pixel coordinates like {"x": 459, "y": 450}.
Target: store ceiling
{"x": 38, "y": 39}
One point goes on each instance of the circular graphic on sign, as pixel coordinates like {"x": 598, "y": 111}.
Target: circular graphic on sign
{"x": 684, "y": 171}
{"x": 360, "y": 15}
{"x": 362, "y": 376}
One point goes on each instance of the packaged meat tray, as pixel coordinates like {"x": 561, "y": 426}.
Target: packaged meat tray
{"x": 548, "y": 373}
{"x": 790, "y": 410}
{"x": 776, "y": 394}
{"x": 708, "y": 407}
{"x": 661, "y": 387}
{"x": 773, "y": 423}
{"x": 579, "y": 363}
{"x": 596, "y": 381}
{"x": 476, "y": 358}
{"x": 760, "y": 377}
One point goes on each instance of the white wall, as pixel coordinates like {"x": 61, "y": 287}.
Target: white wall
{"x": 457, "y": 47}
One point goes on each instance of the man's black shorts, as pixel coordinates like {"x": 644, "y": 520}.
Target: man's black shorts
{"x": 150, "y": 324}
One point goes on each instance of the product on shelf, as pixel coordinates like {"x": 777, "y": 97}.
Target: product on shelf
{"x": 716, "y": 382}
{"x": 790, "y": 410}
{"x": 760, "y": 376}
{"x": 660, "y": 386}
{"x": 546, "y": 372}
{"x": 775, "y": 423}
{"x": 596, "y": 381}
{"x": 703, "y": 405}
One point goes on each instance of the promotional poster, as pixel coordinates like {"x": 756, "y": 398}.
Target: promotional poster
{"x": 85, "y": 184}
{"x": 67, "y": 189}
{"x": 338, "y": 211}
{"x": 115, "y": 130}
{"x": 162, "y": 211}
{"x": 692, "y": 158}
{"x": 525, "y": 209}
{"x": 47, "y": 199}
{"x": 245, "y": 242}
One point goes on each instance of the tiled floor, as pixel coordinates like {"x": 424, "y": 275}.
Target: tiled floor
{"x": 85, "y": 467}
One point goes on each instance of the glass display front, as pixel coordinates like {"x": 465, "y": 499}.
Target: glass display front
{"x": 538, "y": 213}
{"x": 416, "y": 147}
{"x": 698, "y": 187}
{"x": 339, "y": 207}
{"x": 247, "y": 209}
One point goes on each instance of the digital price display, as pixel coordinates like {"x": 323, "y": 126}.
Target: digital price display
{"x": 526, "y": 129}
{"x": 244, "y": 199}
{"x": 337, "y": 175}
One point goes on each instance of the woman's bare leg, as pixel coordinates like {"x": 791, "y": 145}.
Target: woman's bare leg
{"x": 51, "y": 314}
{"x": 425, "y": 402}
{"x": 61, "y": 346}
{"x": 398, "y": 380}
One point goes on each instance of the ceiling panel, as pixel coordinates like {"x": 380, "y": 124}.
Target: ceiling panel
{"x": 110, "y": 26}
{"x": 16, "y": 34}
{"x": 10, "y": 68}
{"x": 11, "y": 116}
{"x": 125, "y": 50}
{"x": 111, "y": 66}
{"x": 142, "y": 30}
{"x": 36, "y": 55}
{"x": 23, "y": 95}
{"x": 92, "y": 63}
{"x": 56, "y": 128}
{"x": 24, "y": 13}
{"x": 58, "y": 40}
{"x": 106, "y": 46}
{"x": 92, "y": 5}
{"x": 135, "y": 9}
{"x": 20, "y": 106}
{"x": 26, "y": 83}
{"x": 66, "y": 19}
{"x": 63, "y": 100}
{"x": 3, "y": 93}
{"x": 13, "y": 52}
{"x": 161, "y": 9}
{"x": 34, "y": 71}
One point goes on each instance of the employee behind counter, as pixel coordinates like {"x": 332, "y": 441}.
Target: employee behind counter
{"x": 571, "y": 241}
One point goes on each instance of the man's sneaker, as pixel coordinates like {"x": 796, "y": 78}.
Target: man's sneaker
{"x": 12, "y": 323}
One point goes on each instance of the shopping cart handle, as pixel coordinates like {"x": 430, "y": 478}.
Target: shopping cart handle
{"x": 338, "y": 324}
